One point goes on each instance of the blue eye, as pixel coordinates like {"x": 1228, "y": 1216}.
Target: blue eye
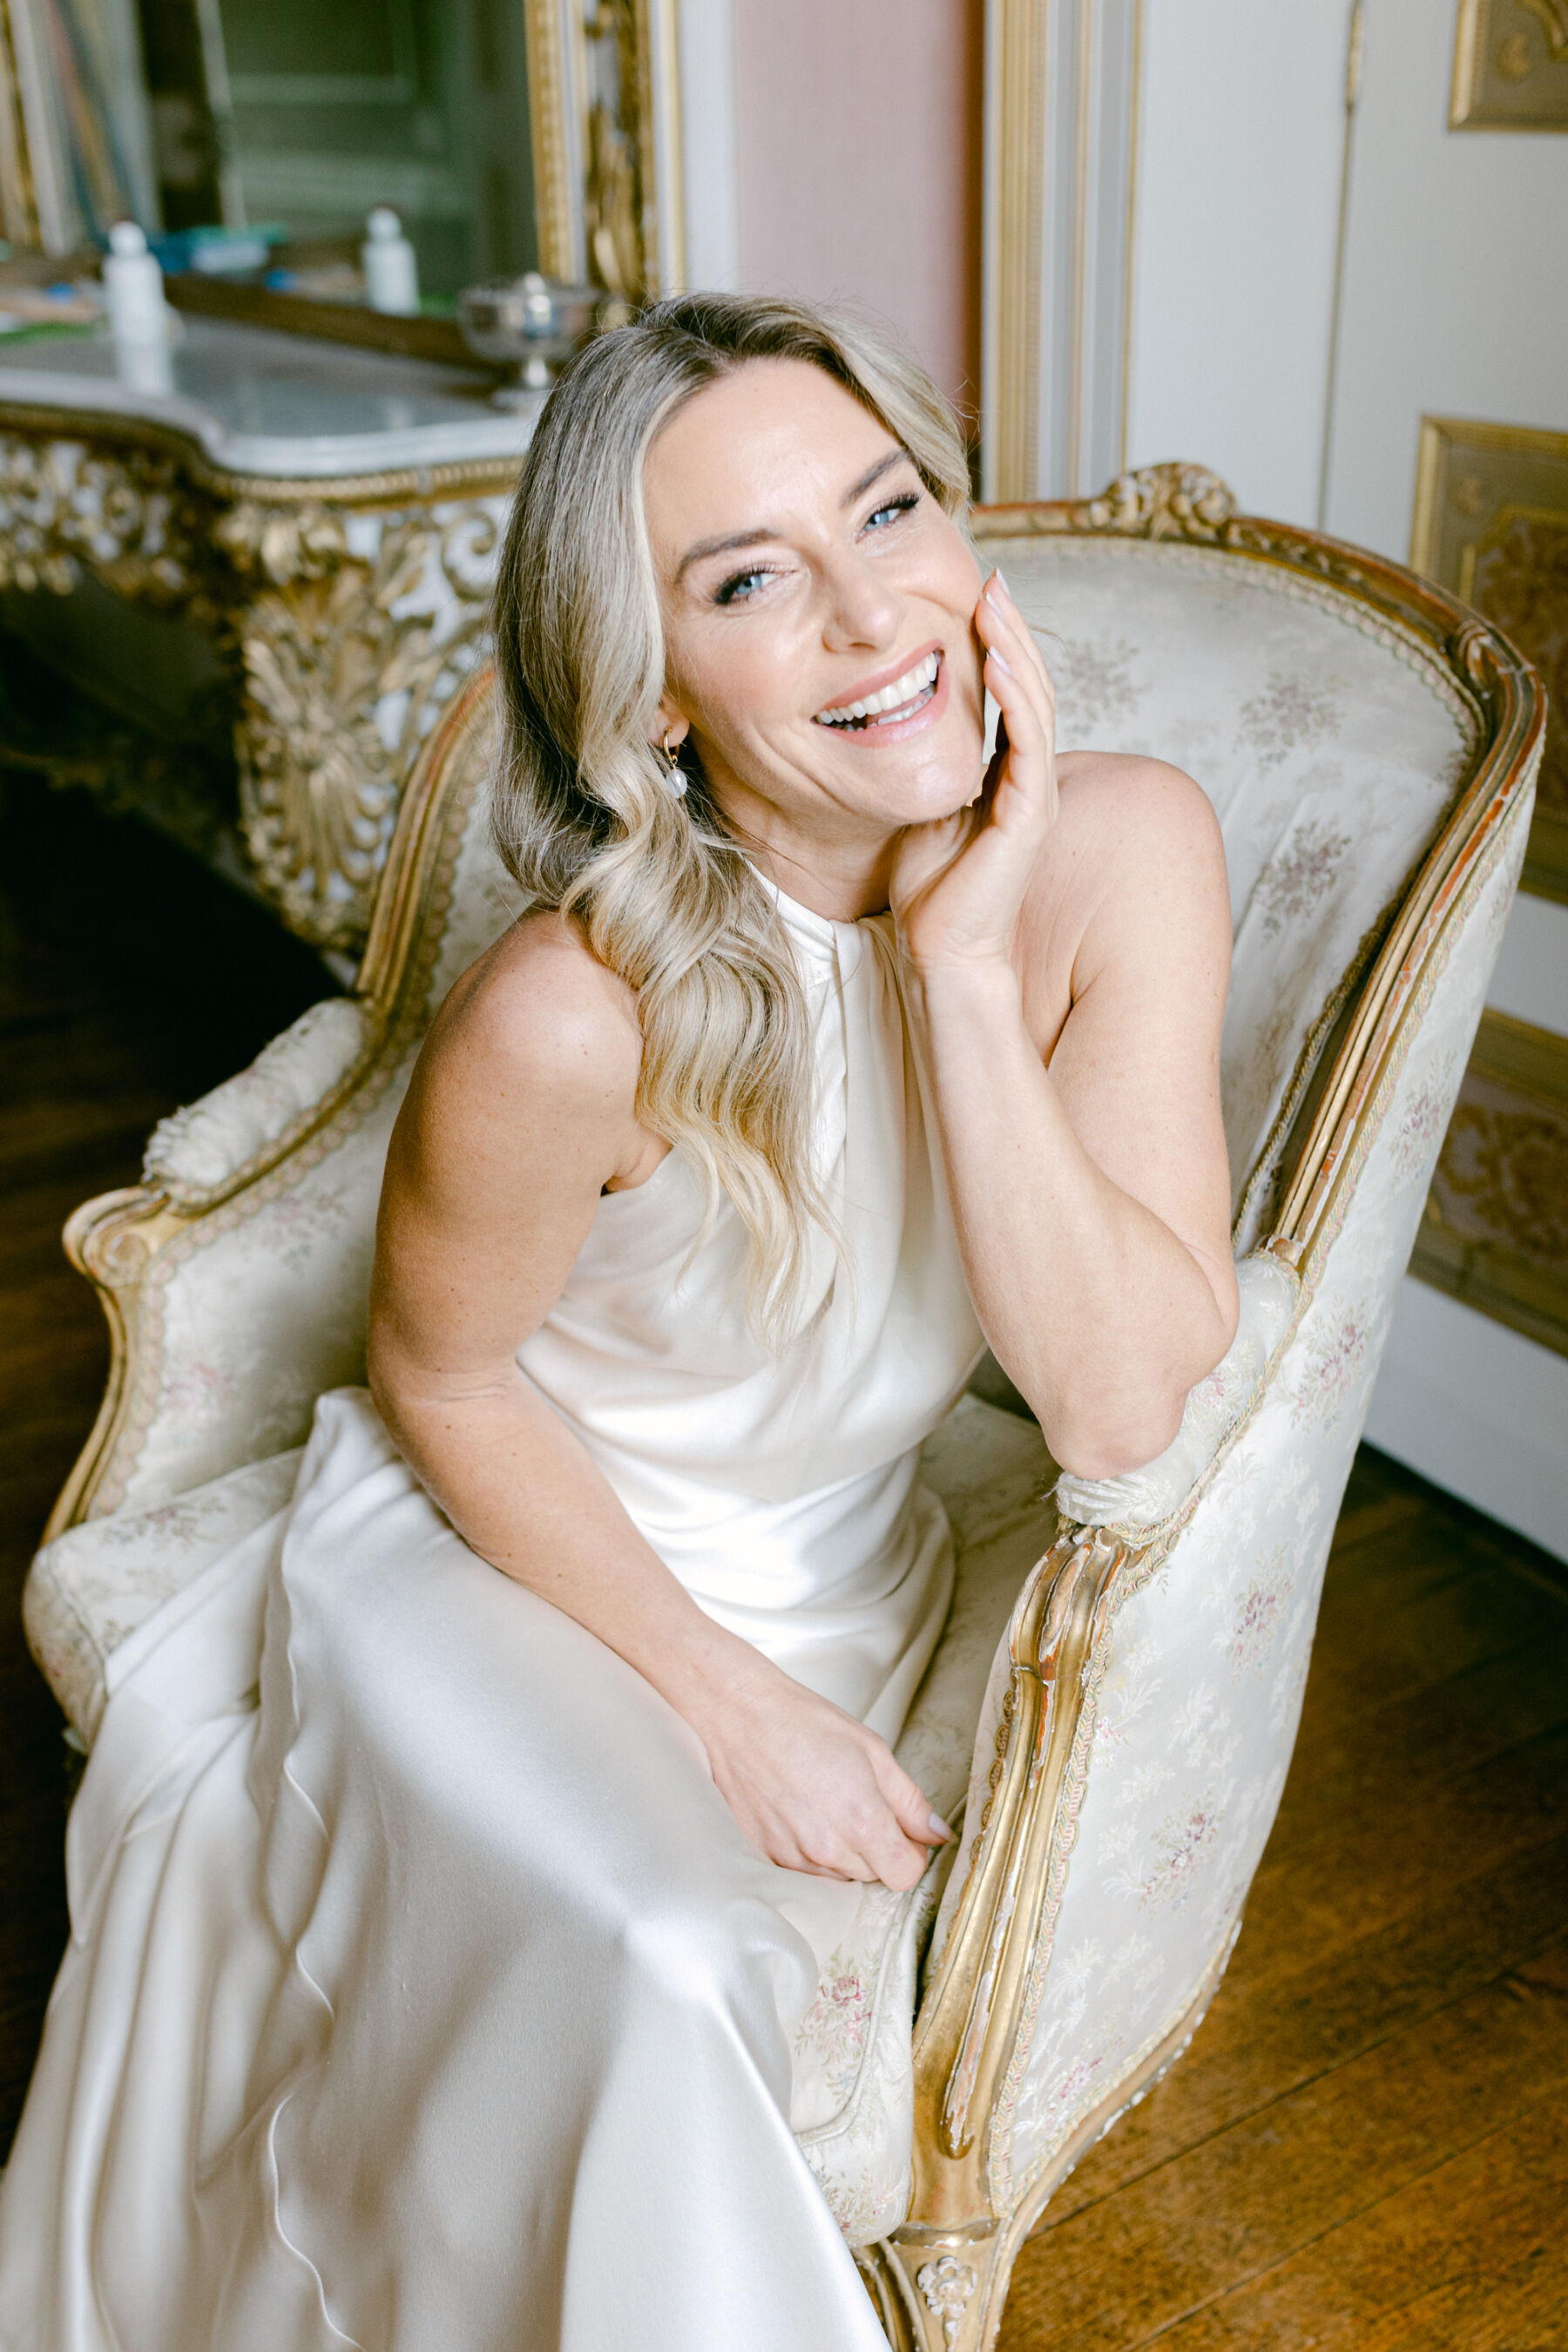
{"x": 739, "y": 586}
{"x": 894, "y": 507}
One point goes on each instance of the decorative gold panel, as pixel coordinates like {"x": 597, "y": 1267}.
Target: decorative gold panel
{"x": 1510, "y": 66}
{"x": 1491, "y": 523}
{"x": 1495, "y": 1231}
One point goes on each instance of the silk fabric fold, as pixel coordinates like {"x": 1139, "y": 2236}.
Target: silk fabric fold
{"x": 422, "y": 1990}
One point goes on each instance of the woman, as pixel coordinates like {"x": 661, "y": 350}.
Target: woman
{"x": 442, "y": 1996}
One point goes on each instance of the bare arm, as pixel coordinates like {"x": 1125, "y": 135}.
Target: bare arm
{"x": 1092, "y": 1195}
{"x": 520, "y": 1115}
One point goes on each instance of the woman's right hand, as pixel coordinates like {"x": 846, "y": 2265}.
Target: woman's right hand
{"x": 811, "y": 1786}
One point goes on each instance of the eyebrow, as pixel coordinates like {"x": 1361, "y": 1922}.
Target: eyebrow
{"x": 759, "y": 538}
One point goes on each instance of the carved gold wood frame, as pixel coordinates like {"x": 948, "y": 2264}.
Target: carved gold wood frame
{"x": 312, "y": 623}
{"x": 1476, "y": 487}
{"x": 608, "y": 190}
{"x": 1015, "y": 182}
{"x": 1510, "y": 66}
{"x": 939, "y": 2281}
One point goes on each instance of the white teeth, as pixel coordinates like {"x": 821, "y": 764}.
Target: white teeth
{"x": 903, "y": 689}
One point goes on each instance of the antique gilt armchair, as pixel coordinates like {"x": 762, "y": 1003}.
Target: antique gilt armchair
{"x": 1115, "y": 1698}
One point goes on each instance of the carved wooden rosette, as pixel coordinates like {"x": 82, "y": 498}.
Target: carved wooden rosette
{"x": 350, "y": 612}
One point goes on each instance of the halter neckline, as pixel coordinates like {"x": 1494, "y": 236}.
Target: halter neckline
{"x": 823, "y": 931}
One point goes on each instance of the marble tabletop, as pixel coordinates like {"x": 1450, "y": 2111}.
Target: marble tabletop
{"x": 260, "y": 401}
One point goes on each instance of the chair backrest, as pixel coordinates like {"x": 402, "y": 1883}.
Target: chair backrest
{"x": 1323, "y": 699}
{"x": 1331, "y": 742}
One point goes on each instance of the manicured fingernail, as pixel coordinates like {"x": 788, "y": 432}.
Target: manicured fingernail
{"x": 1000, "y": 665}
{"x": 939, "y": 1826}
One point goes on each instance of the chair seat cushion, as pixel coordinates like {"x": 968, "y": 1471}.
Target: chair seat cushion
{"x": 853, "y": 2086}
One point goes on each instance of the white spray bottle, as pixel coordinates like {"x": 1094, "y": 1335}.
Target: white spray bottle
{"x": 391, "y": 271}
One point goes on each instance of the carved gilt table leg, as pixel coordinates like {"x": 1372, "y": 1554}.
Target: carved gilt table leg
{"x": 352, "y": 629}
{"x": 349, "y": 612}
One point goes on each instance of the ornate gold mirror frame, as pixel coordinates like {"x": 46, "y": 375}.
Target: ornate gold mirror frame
{"x": 603, "y": 92}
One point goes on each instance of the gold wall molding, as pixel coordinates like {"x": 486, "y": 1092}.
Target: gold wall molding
{"x": 1491, "y": 524}
{"x": 1015, "y": 196}
{"x": 34, "y": 172}
{"x": 1062, "y": 116}
{"x": 1510, "y": 66}
{"x": 18, "y": 204}
{"x": 1495, "y": 1230}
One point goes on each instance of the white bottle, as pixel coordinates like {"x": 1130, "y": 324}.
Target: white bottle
{"x": 133, "y": 288}
{"x": 391, "y": 272}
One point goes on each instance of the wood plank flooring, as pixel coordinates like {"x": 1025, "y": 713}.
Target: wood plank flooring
{"x": 1366, "y": 2148}
{"x": 129, "y": 981}
{"x": 1367, "y": 2144}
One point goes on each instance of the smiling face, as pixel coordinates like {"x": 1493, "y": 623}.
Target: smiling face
{"x": 818, "y": 608}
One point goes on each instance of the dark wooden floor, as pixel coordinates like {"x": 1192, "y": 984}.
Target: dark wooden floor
{"x": 129, "y": 982}
{"x": 1367, "y": 2144}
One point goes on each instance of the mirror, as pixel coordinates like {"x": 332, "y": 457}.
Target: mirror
{"x": 505, "y": 135}
{"x": 289, "y": 113}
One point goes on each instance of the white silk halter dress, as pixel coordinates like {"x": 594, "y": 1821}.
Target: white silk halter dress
{"x": 423, "y": 1994}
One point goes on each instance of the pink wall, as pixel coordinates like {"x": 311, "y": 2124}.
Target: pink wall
{"x": 859, "y": 135}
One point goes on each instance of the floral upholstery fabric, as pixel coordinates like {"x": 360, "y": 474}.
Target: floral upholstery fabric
{"x": 1328, "y": 741}
{"x": 1270, "y": 1298}
{"x": 92, "y": 1586}
{"x": 1193, "y": 1697}
{"x": 200, "y": 1148}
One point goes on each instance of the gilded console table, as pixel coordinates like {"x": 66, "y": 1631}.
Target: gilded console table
{"x": 327, "y": 517}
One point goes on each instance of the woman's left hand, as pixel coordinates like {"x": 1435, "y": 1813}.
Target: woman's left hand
{"x": 958, "y": 885}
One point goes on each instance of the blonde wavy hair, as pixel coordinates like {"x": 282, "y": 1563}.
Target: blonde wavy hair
{"x": 584, "y": 814}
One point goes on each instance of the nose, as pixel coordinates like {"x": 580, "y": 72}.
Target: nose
{"x": 863, "y": 607}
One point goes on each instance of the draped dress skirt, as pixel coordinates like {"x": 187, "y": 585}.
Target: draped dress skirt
{"x": 422, "y": 1995}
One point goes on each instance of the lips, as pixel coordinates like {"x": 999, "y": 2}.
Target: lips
{"x": 900, "y": 699}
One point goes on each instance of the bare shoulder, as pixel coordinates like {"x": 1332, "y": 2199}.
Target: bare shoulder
{"x": 1132, "y": 871}
{"x": 1121, "y": 812}
{"x": 538, "y": 1010}
{"x": 530, "y": 1067}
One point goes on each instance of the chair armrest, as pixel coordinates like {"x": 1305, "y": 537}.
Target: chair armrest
{"x": 202, "y": 1149}
{"x": 1140, "y": 1501}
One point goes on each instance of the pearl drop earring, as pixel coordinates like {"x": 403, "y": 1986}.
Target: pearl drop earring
{"x": 674, "y": 774}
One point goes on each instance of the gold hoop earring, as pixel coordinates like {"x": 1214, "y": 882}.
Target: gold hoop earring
{"x": 674, "y": 773}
